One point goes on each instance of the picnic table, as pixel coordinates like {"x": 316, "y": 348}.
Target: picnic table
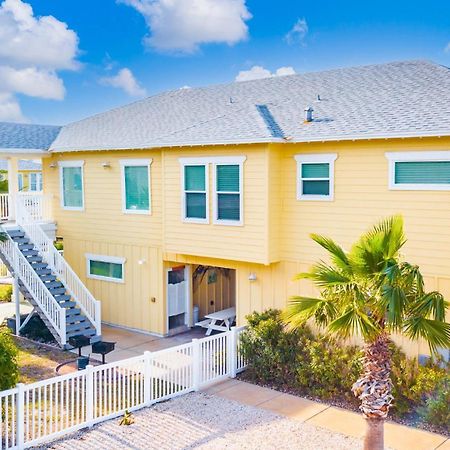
{"x": 219, "y": 320}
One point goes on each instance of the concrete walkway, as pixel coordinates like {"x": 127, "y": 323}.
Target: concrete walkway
{"x": 339, "y": 420}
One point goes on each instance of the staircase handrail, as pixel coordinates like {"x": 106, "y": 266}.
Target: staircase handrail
{"x": 74, "y": 286}
{"x": 22, "y": 268}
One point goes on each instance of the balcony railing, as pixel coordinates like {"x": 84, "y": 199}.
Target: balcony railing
{"x": 38, "y": 205}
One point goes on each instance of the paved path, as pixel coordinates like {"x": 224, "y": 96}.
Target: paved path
{"x": 339, "y": 420}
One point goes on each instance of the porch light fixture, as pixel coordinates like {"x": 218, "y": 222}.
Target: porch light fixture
{"x": 106, "y": 164}
{"x": 52, "y": 166}
{"x": 142, "y": 261}
{"x": 252, "y": 276}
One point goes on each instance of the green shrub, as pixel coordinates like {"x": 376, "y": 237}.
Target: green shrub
{"x": 9, "y": 369}
{"x": 437, "y": 406}
{"x": 324, "y": 367}
{"x": 5, "y": 292}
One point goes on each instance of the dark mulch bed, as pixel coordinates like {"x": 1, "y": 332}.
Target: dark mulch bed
{"x": 412, "y": 420}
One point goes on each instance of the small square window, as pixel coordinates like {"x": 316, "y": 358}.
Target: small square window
{"x": 315, "y": 177}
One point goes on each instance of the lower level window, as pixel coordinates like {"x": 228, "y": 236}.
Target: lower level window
{"x": 107, "y": 268}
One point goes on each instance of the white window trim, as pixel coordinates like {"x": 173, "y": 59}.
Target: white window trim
{"x": 130, "y": 163}
{"x": 62, "y": 165}
{"x": 231, "y": 162}
{"x": 214, "y": 161}
{"x": 317, "y": 158}
{"x": 394, "y": 157}
{"x": 183, "y": 193}
{"x": 107, "y": 259}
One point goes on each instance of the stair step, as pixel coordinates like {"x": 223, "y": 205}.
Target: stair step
{"x": 43, "y": 271}
{"x": 62, "y": 298}
{"x": 53, "y": 284}
{"x": 79, "y": 326}
{"x": 21, "y": 240}
{"x": 89, "y": 332}
{"x": 35, "y": 259}
{"x": 72, "y": 312}
{"x": 67, "y": 304}
{"x": 57, "y": 291}
{"x": 16, "y": 233}
{"x": 31, "y": 252}
{"x": 28, "y": 246}
{"x": 47, "y": 278}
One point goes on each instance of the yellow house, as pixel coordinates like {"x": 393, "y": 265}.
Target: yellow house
{"x": 29, "y": 175}
{"x": 204, "y": 199}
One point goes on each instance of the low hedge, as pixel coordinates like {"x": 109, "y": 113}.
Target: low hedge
{"x": 323, "y": 367}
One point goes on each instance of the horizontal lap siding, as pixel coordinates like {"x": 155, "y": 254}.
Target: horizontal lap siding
{"x": 247, "y": 242}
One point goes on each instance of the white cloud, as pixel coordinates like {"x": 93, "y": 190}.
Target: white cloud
{"x": 32, "y": 50}
{"x": 181, "y": 25}
{"x": 258, "y": 72}
{"x": 288, "y": 70}
{"x": 297, "y": 33}
{"x": 10, "y": 109}
{"x": 125, "y": 80}
{"x": 447, "y": 48}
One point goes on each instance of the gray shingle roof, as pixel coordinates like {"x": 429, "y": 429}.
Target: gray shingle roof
{"x": 27, "y": 136}
{"x": 23, "y": 165}
{"x": 398, "y": 99}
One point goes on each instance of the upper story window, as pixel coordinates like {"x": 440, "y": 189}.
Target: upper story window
{"x": 228, "y": 198}
{"x": 71, "y": 184}
{"x": 107, "y": 268}
{"x": 195, "y": 198}
{"x": 315, "y": 176}
{"x": 35, "y": 181}
{"x": 419, "y": 170}
{"x": 227, "y": 185}
{"x": 136, "y": 186}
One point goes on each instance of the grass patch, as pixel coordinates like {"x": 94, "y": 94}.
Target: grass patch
{"x": 38, "y": 362}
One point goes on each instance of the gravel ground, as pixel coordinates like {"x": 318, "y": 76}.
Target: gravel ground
{"x": 203, "y": 421}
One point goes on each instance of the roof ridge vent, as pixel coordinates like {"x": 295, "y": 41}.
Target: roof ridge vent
{"x": 308, "y": 114}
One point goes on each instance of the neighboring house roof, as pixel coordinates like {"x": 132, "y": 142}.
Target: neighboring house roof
{"x": 399, "y": 99}
{"x": 23, "y": 137}
{"x": 23, "y": 165}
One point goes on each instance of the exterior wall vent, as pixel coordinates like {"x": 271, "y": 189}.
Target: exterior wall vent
{"x": 308, "y": 114}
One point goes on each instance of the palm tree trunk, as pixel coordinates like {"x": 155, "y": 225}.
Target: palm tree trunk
{"x": 374, "y": 438}
{"x": 374, "y": 390}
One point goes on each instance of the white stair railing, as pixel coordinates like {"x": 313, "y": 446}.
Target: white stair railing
{"x": 4, "y": 207}
{"x": 33, "y": 208}
{"x": 52, "y": 310}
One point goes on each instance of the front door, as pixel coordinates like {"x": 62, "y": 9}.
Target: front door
{"x": 177, "y": 297}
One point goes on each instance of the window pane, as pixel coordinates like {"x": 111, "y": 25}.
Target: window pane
{"x": 72, "y": 187}
{"x": 136, "y": 188}
{"x": 228, "y": 178}
{"x": 194, "y": 178}
{"x": 20, "y": 177}
{"x": 315, "y": 170}
{"x": 228, "y": 206}
{"x": 105, "y": 269}
{"x": 195, "y": 206}
{"x": 316, "y": 188}
{"x": 422, "y": 172}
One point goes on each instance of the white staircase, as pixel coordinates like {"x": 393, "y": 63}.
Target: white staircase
{"x": 45, "y": 278}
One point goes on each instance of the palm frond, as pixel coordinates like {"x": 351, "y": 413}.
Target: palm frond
{"x": 355, "y": 322}
{"x": 435, "y": 332}
{"x": 337, "y": 254}
{"x": 300, "y": 309}
{"x": 431, "y": 304}
{"x": 324, "y": 275}
{"x": 395, "y": 301}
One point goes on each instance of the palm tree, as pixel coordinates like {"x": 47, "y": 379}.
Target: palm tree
{"x": 372, "y": 292}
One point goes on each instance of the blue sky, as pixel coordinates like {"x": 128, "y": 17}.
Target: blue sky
{"x": 104, "y": 37}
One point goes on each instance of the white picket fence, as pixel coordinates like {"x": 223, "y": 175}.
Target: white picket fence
{"x": 39, "y": 412}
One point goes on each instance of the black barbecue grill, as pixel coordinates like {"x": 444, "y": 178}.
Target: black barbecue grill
{"x": 103, "y": 348}
{"x": 79, "y": 342}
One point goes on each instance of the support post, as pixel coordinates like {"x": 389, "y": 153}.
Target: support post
{"x": 232, "y": 351}
{"x": 148, "y": 381}
{"x": 62, "y": 326}
{"x": 13, "y": 185}
{"x": 20, "y": 415}
{"x": 16, "y": 299}
{"x": 89, "y": 395}
{"x": 196, "y": 362}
